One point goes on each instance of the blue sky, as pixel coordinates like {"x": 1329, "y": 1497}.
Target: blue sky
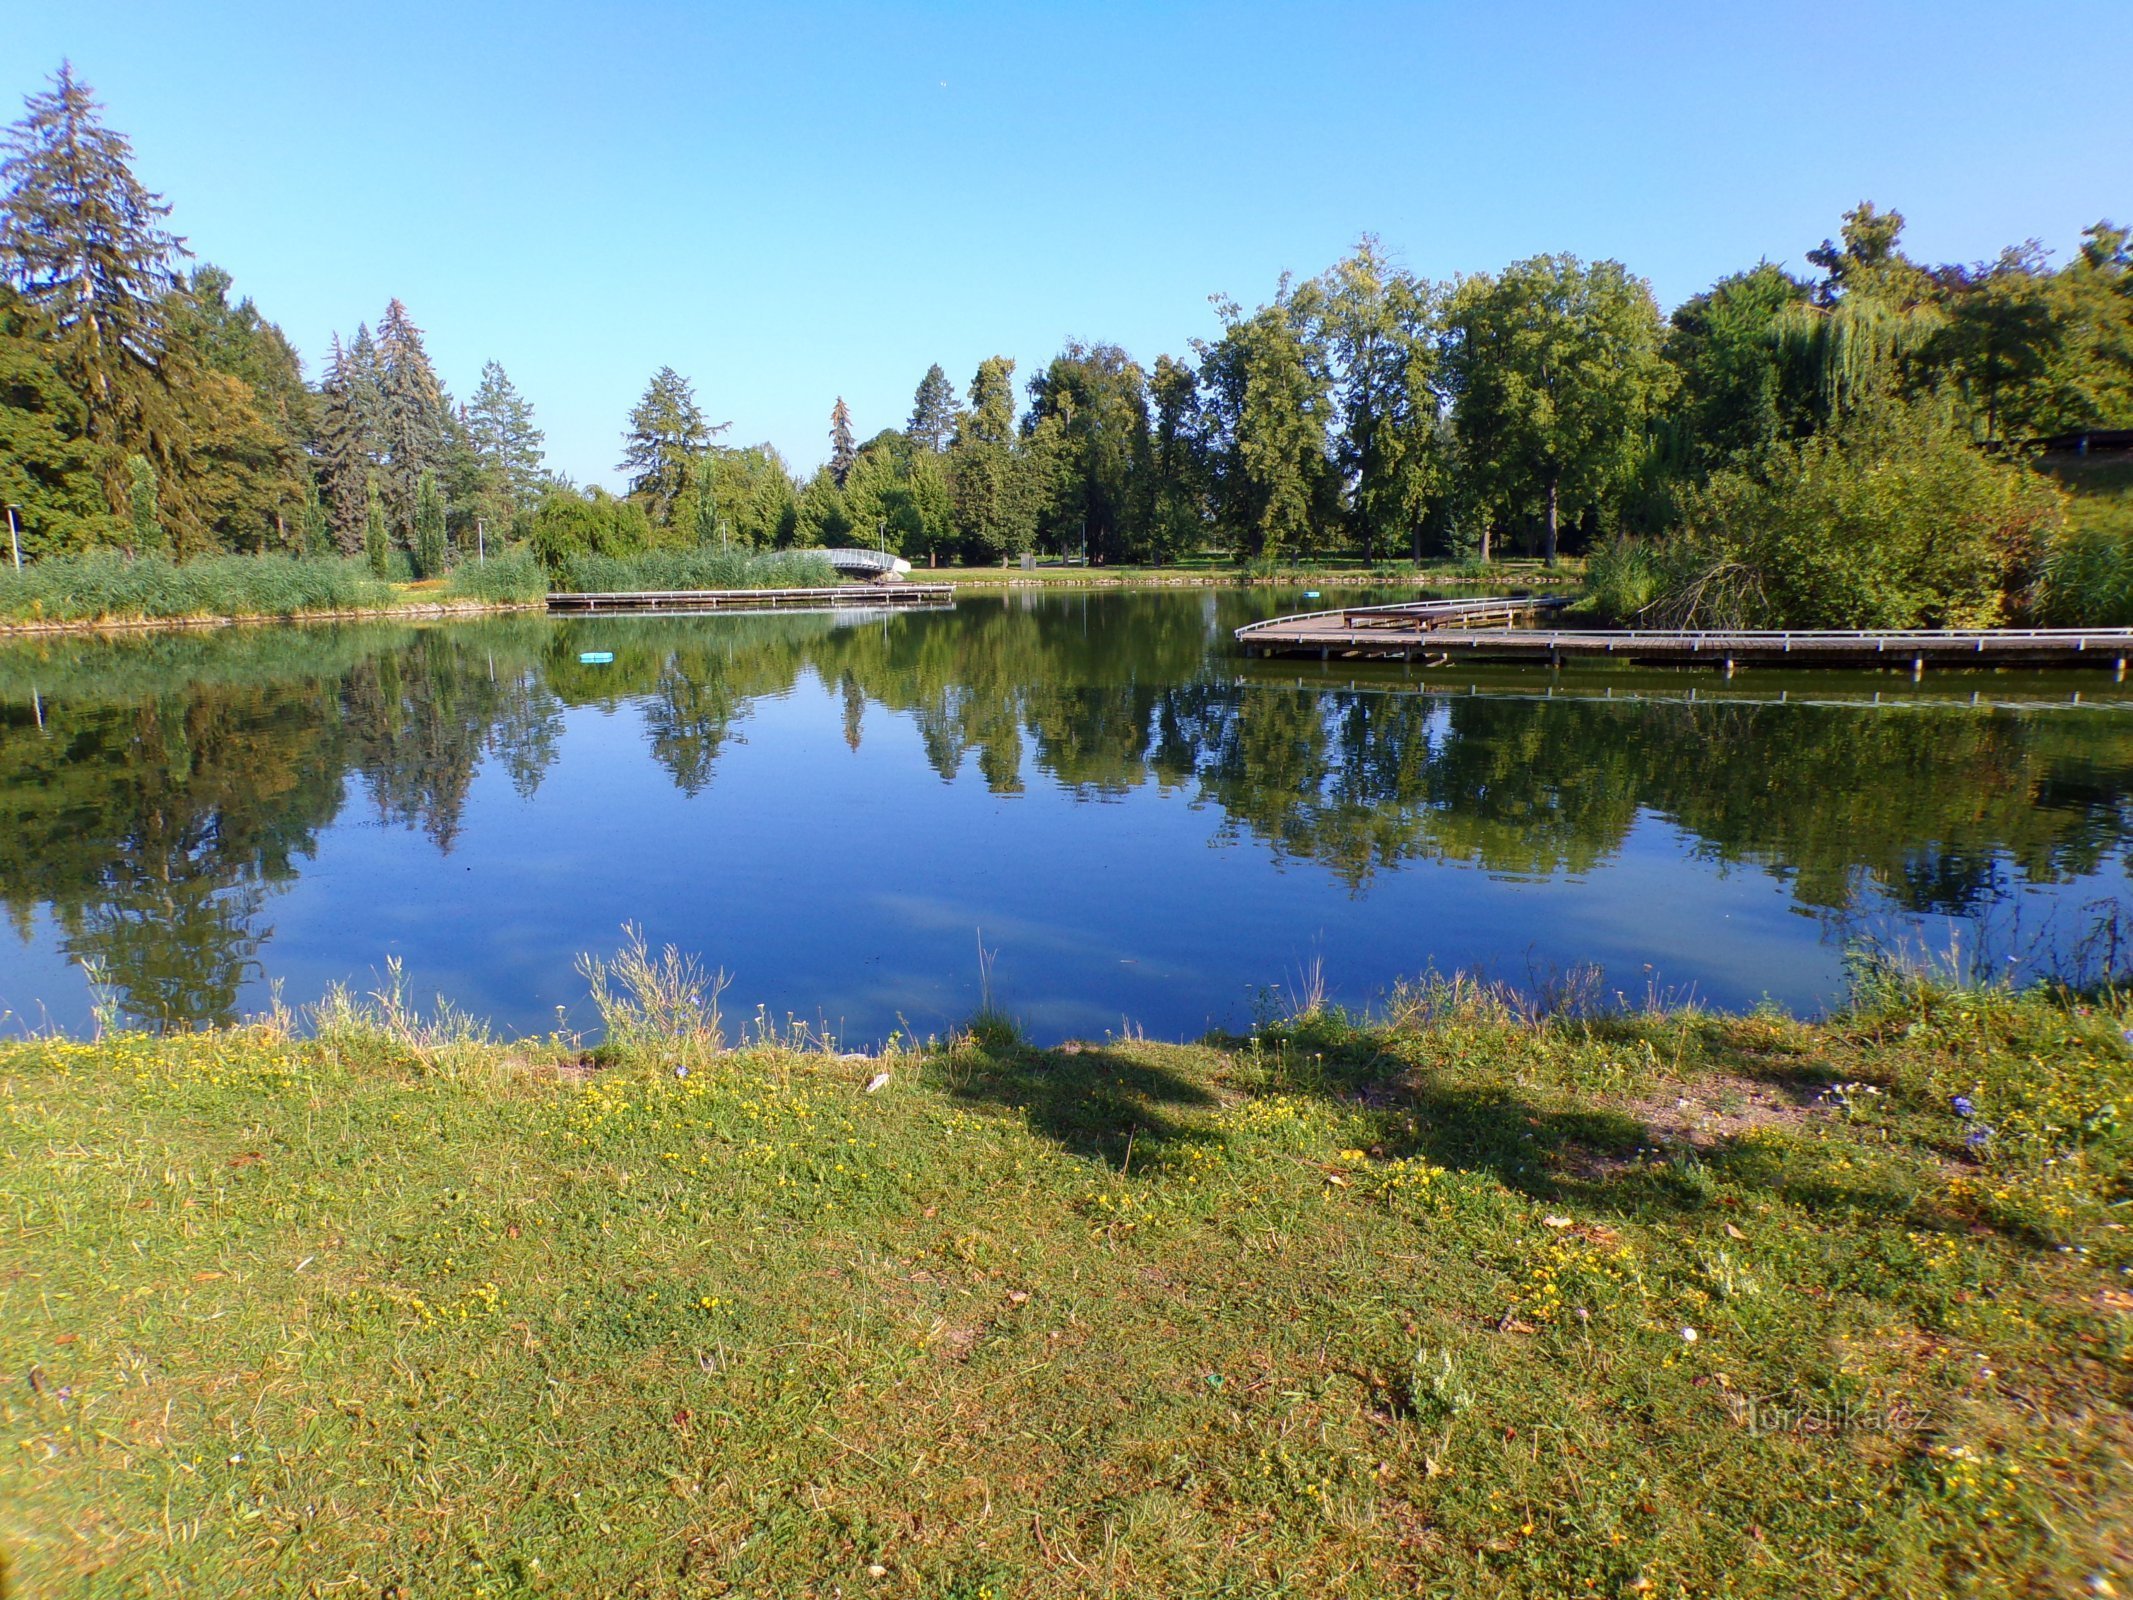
{"x": 792, "y": 202}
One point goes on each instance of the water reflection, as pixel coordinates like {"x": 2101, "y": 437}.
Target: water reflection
{"x": 157, "y": 795}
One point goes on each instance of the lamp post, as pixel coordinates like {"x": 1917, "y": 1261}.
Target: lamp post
{"x": 14, "y": 535}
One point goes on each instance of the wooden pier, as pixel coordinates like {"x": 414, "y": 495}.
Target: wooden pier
{"x": 1441, "y": 632}
{"x": 843, "y": 595}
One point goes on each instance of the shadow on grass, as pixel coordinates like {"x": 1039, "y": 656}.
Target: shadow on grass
{"x": 1102, "y": 1103}
{"x": 1094, "y": 1101}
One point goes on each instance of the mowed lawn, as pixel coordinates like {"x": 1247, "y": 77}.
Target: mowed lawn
{"x": 1470, "y": 1305}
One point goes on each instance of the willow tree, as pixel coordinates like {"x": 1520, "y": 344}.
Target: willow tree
{"x": 1874, "y": 314}
{"x": 83, "y": 243}
{"x": 1556, "y": 374}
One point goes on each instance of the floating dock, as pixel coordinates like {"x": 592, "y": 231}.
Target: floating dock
{"x": 1441, "y": 632}
{"x": 870, "y": 595}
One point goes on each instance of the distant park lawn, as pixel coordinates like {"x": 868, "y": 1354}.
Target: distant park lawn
{"x": 1464, "y": 1305}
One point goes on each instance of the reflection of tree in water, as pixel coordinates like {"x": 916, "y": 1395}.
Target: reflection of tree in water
{"x": 420, "y": 720}
{"x": 175, "y": 782}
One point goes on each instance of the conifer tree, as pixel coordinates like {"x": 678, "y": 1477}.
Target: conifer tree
{"x": 506, "y": 444}
{"x": 431, "y": 550}
{"x": 84, "y": 244}
{"x": 413, "y": 417}
{"x": 667, "y": 432}
{"x": 341, "y": 453}
{"x": 933, "y": 411}
{"x": 377, "y": 543}
{"x": 843, "y": 450}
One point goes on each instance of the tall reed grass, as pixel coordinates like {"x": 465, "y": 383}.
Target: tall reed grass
{"x": 106, "y": 586}
{"x": 697, "y": 569}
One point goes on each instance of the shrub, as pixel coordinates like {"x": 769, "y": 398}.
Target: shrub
{"x": 1890, "y": 520}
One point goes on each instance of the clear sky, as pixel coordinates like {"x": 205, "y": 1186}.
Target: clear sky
{"x": 788, "y": 202}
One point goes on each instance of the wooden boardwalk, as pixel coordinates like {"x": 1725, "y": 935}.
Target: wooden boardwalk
{"x": 847, "y": 594}
{"x": 1441, "y": 632}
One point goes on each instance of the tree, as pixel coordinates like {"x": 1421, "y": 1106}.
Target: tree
{"x": 431, "y": 548}
{"x": 47, "y": 465}
{"x": 84, "y": 244}
{"x": 1267, "y": 405}
{"x": 1729, "y": 392}
{"x": 1096, "y": 398}
{"x": 345, "y": 451}
{"x": 1556, "y": 371}
{"x": 933, "y": 411}
{"x": 506, "y": 445}
{"x": 666, "y": 434}
{"x": 414, "y": 419}
{"x": 1177, "y": 480}
{"x": 1379, "y": 330}
{"x": 985, "y": 511}
{"x": 377, "y": 542}
{"x": 316, "y": 533}
{"x": 842, "y": 450}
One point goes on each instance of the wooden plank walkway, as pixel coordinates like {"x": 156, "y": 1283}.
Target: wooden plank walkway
{"x": 847, "y": 594}
{"x": 1428, "y": 631}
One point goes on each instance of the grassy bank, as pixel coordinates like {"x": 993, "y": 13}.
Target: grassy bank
{"x": 1466, "y": 1304}
{"x": 100, "y": 591}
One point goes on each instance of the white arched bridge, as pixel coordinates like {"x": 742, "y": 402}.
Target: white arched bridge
{"x": 863, "y": 563}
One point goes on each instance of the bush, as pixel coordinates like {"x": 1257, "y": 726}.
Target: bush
{"x": 110, "y": 587}
{"x": 1891, "y": 520}
{"x": 511, "y": 578}
{"x": 696, "y": 569}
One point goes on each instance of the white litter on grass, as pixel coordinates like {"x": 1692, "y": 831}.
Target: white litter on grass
{"x": 880, "y": 1080}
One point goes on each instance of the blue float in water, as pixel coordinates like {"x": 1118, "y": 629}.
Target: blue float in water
{"x": 595, "y": 658}
{"x": 1310, "y": 594}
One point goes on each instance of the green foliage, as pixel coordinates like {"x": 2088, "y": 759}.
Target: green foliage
{"x": 567, "y": 525}
{"x": 431, "y": 552}
{"x": 1888, "y": 520}
{"x": 1088, "y": 424}
{"x": 507, "y": 447}
{"x": 109, "y": 586}
{"x": 933, "y": 412}
{"x": 667, "y": 433}
{"x": 695, "y": 568}
{"x": 377, "y": 544}
{"x": 2085, "y": 579}
{"x": 1557, "y": 375}
{"x": 145, "y": 517}
{"x": 513, "y": 577}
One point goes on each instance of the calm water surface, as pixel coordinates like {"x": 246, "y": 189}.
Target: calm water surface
{"x": 1144, "y": 828}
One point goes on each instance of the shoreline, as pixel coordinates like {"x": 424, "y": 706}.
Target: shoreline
{"x": 421, "y": 610}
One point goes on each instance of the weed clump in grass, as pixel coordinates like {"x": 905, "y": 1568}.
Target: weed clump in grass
{"x": 654, "y": 1005}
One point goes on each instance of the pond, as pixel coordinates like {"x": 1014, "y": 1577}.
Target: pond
{"x": 1137, "y": 828}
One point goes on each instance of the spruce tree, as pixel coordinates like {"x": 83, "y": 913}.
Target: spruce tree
{"x": 85, "y": 245}
{"x": 843, "y": 451}
{"x": 933, "y": 411}
{"x": 413, "y": 416}
{"x": 667, "y": 433}
{"x": 506, "y": 444}
{"x": 341, "y": 452}
{"x": 431, "y": 550}
{"x": 377, "y": 543}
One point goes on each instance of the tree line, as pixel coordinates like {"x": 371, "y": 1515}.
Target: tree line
{"x": 1848, "y": 442}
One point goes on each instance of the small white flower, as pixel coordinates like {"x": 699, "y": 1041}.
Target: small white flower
{"x": 1688, "y": 1335}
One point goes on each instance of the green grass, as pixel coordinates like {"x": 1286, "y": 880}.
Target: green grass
{"x": 1393, "y": 1310}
